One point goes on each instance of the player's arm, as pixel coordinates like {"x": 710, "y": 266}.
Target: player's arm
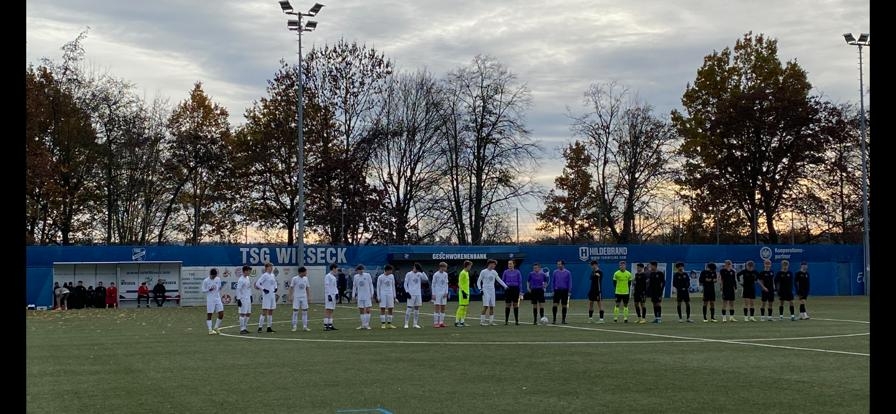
{"x": 614, "y": 279}
{"x": 354, "y": 287}
{"x": 501, "y": 282}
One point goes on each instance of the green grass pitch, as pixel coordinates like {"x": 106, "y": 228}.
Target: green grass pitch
{"x": 162, "y": 360}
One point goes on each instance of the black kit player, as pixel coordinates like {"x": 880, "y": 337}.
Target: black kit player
{"x": 597, "y": 277}
{"x": 708, "y": 279}
{"x": 767, "y": 282}
{"x": 682, "y": 283}
{"x": 729, "y": 288}
{"x": 801, "y": 279}
{"x": 784, "y": 286}
{"x": 748, "y": 277}
{"x": 640, "y": 292}
{"x": 656, "y": 285}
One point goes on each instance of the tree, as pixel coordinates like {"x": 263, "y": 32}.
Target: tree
{"x": 199, "y": 169}
{"x": 487, "y": 148}
{"x": 747, "y": 130}
{"x": 349, "y": 79}
{"x": 830, "y": 197}
{"x": 406, "y": 163}
{"x": 631, "y": 150}
{"x": 572, "y": 205}
{"x": 62, "y": 151}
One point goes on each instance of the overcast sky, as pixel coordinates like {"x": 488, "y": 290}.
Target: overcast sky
{"x": 556, "y": 47}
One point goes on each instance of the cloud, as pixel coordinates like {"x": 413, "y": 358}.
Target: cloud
{"x": 556, "y": 48}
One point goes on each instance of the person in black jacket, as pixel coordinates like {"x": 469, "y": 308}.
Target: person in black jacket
{"x": 99, "y": 296}
{"x": 158, "y": 293}
{"x": 708, "y": 280}
{"x": 802, "y": 288}
{"x": 682, "y": 282}
{"x": 656, "y": 283}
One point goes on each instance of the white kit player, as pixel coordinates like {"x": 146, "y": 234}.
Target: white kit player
{"x": 486, "y": 284}
{"x": 385, "y": 294}
{"x": 331, "y": 294}
{"x": 267, "y": 282}
{"x": 300, "y": 292}
{"x": 244, "y": 299}
{"x": 412, "y": 282}
{"x": 362, "y": 292}
{"x": 439, "y": 295}
{"x": 212, "y": 288}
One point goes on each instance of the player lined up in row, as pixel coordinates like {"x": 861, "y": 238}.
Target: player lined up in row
{"x": 651, "y": 283}
{"x": 643, "y": 284}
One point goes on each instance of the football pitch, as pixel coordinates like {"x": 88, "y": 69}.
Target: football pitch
{"x": 162, "y": 360}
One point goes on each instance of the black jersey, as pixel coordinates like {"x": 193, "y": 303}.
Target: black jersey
{"x": 729, "y": 279}
{"x": 747, "y": 278}
{"x": 708, "y": 280}
{"x": 640, "y": 282}
{"x": 656, "y": 283}
{"x": 784, "y": 281}
{"x": 801, "y": 279}
{"x": 768, "y": 280}
{"x": 596, "y": 278}
{"x": 681, "y": 280}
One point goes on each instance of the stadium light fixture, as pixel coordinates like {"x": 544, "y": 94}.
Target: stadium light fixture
{"x": 296, "y": 25}
{"x": 864, "y": 40}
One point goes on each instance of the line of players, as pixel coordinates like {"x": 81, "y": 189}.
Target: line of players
{"x": 652, "y": 284}
{"x": 645, "y": 284}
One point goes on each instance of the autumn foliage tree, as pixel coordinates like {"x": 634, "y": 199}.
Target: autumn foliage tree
{"x": 572, "y": 205}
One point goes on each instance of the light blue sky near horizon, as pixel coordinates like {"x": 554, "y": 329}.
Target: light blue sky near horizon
{"x": 556, "y": 48}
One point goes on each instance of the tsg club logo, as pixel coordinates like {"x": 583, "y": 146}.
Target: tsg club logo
{"x": 765, "y": 253}
{"x": 583, "y": 253}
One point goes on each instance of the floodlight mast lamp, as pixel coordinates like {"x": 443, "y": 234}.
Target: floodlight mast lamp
{"x": 296, "y": 25}
{"x": 863, "y": 40}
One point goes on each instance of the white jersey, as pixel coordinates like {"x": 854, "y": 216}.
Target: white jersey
{"x": 362, "y": 287}
{"x": 385, "y": 286}
{"x": 412, "y": 281}
{"x": 212, "y": 289}
{"x": 330, "y": 285}
{"x": 487, "y": 279}
{"x": 244, "y": 288}
{"x": 299, "y": 287}
{"x": 439, "y": 283}
{"x": 267, "y": 281}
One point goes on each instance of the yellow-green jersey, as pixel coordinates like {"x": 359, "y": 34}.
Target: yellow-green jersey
{"x": 463, "y": 287}
{"x": 622, "y": 279}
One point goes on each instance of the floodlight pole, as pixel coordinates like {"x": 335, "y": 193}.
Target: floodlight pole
{"x": 866, "y": 240}
{"x": 300, "y": 219}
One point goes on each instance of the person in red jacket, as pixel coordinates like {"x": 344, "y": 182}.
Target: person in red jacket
{"x": 111, "y": 296}
{"x": 143, "y": 293}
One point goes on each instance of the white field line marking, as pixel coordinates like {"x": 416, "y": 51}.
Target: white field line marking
{"x": 676, "y": 339}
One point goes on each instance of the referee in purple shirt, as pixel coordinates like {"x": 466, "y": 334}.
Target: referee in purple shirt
{"x": 536, "y": 284}
{"x": 562, "y": 280}
{"x": 513, "y": 279}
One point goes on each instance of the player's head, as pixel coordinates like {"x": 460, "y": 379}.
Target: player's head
{"x": 767, "y": 264}
{"x": 804, "y": 266}
{"x": 511, "y": 264}
{"x": 640, "y": 267}
{"x": 302, "y": 271}
{"x": 468, "y": 264}
{"x": 388, "y": 269}
{"x": 727, "y": 264}
{"x": 679, "y": 266}
{"x": 212, "y": 273}
{"x": 333, "y": 268}
{"x": 711, "y": 266}
{"x": 418, "y": 267}
{"x": 268, "y": 266}
{"x": 359, "y": 268}
{"x": 653, "y": 266}
{"x": 443, "y": 266}
{"x": 750, "y": 265}
{"x": 560, "y": 264}
{"x": 246, "y": 270}
{"x": 622, "y": 265}
{"x": 536, "y": 267}
{"x": 142, "y": 283}
{"x": 491, "y": 263}
{"x": 785, "y": 264}
{"x": 594, "y": 265}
